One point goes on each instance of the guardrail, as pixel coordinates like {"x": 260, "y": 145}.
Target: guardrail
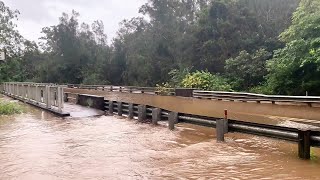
{"x": 46, "y": 96}
{"x": 305, "y": 138}
{"x": 250, "y": 97}
{"x": 124, "y": 89}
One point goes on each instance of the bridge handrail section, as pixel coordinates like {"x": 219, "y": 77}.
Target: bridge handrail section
{"x": 49, "y": 96}
{"x": 245, "y": 97}
{"x": 126, "y": 89}
{"x": 218, "y": 95}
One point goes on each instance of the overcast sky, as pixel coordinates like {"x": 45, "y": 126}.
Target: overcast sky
{"x": 36, "y": 14}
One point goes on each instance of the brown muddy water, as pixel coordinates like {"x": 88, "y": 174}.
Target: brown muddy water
{"x": 37, "y": 145}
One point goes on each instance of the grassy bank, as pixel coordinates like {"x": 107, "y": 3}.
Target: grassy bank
{"x": 9, "y": 108}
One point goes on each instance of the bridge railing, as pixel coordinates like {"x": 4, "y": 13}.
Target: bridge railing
{"x": 212, "y": 95}
{"x": 248, "y": 97}
{"x": 305, "y": 138}
{"x": 126, "y": 89}
{"x": 48, "y": 96}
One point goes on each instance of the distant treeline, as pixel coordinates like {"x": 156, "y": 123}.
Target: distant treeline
{"x": 267, "y": 46}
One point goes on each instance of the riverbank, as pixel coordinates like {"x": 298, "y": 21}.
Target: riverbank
{"x": 8, "y": 107}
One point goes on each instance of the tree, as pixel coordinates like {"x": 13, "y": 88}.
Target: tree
{"x": 247, "y": 70}
{"x": 74, "y": 53}
{"x": 295, "y": 69}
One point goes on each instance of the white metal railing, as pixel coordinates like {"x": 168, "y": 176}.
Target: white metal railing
{"x": 49, "y": 96}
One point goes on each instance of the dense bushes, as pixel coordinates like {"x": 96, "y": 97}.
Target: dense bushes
{"x": 206, "y": 81}
{"x": 9, "y": 108}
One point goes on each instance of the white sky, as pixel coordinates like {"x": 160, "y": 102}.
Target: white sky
{"x": 36, "y": 14}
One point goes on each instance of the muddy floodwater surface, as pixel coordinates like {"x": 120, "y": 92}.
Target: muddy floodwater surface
{"x": 38, "y": 145}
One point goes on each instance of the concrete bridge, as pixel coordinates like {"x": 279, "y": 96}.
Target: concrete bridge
{"x": 249, "y": 116}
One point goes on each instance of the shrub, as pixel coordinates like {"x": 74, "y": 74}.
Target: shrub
{"x": 204, "y": 80}
{"x": 163, "y": 89}
{"x": 9, "y": 108}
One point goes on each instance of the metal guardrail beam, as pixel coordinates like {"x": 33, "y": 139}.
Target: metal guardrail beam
{"x": 254, "y": 97}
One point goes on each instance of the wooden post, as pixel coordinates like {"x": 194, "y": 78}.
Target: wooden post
{"x": 130, "y": 114}
{"x": 110, "y": 107}
{"x": 304, "y": 144}
{"x": 173, "y": 119}
{"x": 142, "y": 113}
{"x": 156, "y": 115}
{"x": 119, "y": 108}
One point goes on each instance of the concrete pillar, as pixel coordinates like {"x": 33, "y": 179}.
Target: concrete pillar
{"x": 304, "y": 144}
{"x": 37, "y": 94}
{"x": 110, "y": 107}
{"x": 173, "y": 119}
{"x": 59, "y": 100}
{"x": 220, "y": 130}
{"x": 131, "y": 113}
{"x": 156, "y": 115}
{"x": 29, "y": 91}
{"x": 62, "y": 97}
{"x": 48, "y": 97}
{"x": 119, "y": 108}
{"x": 142, "y": 113}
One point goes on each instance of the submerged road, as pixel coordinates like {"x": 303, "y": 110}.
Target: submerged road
{"x": 245, "y": 111}
{"x": 37, "y": 145}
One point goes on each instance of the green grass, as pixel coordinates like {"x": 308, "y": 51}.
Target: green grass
{"x": 10, "y": 108}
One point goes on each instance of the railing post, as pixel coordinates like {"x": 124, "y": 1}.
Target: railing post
{"x": 48, "y": 102}
{"x": 142, "y": 113}
{"x": 37, "y": 94}
{"x": 220, "y": 130}
{"x": 222, "y": 127}
{"x": 119, "y": 108}
{"x": 59, "y": 99}
{"x": 173, "y": 119}
{"x": 62, "y": 97}
{"x": 131, "y": 111}
{"x": 304, "y": 144}
{"x": 156, "y": 115}
{"x": 110, "y": 107}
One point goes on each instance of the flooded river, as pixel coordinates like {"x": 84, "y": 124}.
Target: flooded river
{"x": 38, "y": 145}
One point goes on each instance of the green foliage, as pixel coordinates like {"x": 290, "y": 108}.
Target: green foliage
{"x": 177, "y": 76}
{"x": 9, "y": 108}
{"x": 247, "y": 70}
{"x": 231, "y": 38}
{"x": 262, "y": 89}
{"x": 164, "y": 89}
{"x": 295, "y": 69}
{"x": 206, "y": 81}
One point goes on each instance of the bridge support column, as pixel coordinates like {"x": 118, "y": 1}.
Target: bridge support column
{"x": 173, "y": 119}
{"x": 142, "y": 113}
{"x": 119, "y": 108}
{"x": 156, "y": 115}
{"x": 304, "y": 144}
{"x": 131, "y": 113}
